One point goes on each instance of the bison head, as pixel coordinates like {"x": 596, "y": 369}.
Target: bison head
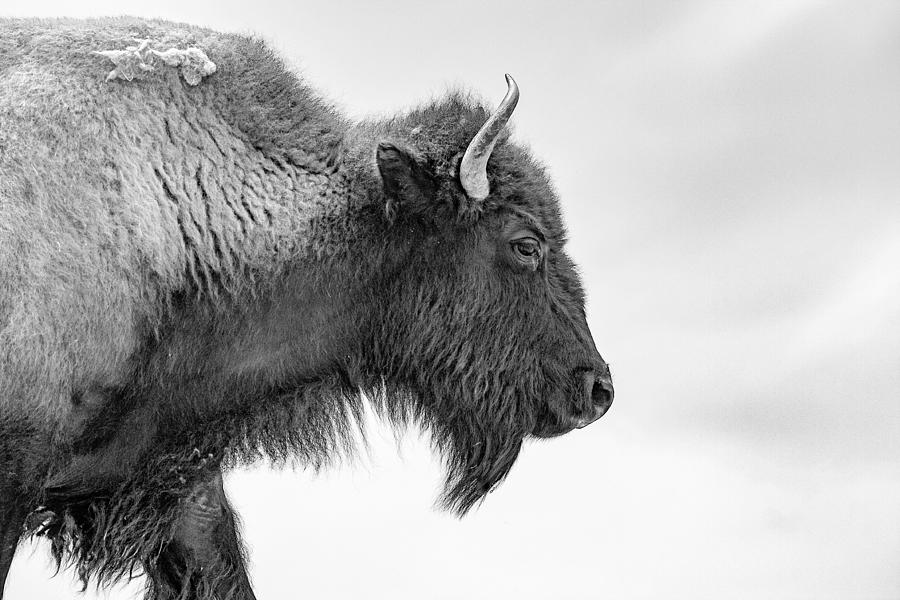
{"x": 483, "y": 329}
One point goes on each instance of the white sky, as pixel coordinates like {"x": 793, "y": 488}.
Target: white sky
{"x": 730, "y": 173}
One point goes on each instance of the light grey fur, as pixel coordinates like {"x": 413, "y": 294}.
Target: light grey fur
{"x": 111, "y": 194}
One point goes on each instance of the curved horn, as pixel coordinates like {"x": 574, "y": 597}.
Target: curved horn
{"x": 473, "y": 168}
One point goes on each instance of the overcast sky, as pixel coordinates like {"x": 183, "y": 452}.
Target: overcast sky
{"x": 730, "y": 173}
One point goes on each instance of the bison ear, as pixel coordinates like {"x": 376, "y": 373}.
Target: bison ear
{"x": 408, "y": 184}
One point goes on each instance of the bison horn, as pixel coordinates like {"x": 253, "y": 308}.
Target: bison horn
{"x": 473, "y": 168}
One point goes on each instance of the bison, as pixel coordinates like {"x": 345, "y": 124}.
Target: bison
{"x": 204, "y": 264}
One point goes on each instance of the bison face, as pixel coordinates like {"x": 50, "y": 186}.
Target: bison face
{"x": 485, "y": 324}
{"x": 577, "y": 382}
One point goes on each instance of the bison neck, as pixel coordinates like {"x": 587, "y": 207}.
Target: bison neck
{"x": 280, "y": 302}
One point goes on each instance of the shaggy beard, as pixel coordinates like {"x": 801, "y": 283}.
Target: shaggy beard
{"x": 477, "y": 450}
{"x": 475, "y": 468}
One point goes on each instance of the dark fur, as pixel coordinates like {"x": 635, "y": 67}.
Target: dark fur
{"x": 292, "y": 266}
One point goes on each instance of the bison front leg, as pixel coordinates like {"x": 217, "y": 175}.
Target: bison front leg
{"x": 13, "y": 511}
{"x": 12, "y": 519}
{"x": 21, "y": 453}
{"x": 205, "y": 560}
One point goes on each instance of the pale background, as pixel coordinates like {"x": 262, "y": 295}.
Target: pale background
{"x": 731, "y": 176}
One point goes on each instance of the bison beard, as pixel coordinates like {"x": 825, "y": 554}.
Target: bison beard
{"x": 477, "y": 454}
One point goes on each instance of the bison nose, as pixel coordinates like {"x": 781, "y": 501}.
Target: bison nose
{"x": 601, "y": 390}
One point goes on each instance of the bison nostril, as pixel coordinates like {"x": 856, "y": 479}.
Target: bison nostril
{"x": 598, "y": 387}
{"x": 602, "y": 395}
{"x": 601, "y": 392}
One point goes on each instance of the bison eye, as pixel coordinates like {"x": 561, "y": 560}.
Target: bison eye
{"x": 528, "y": 251}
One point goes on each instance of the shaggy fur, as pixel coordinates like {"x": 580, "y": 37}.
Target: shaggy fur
{"x": 199, "y": 275}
